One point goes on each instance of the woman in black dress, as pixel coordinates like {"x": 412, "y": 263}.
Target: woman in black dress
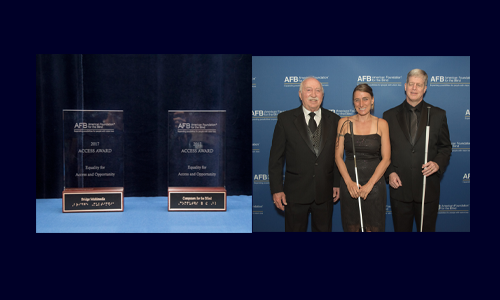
{"x": 373, "y": 156}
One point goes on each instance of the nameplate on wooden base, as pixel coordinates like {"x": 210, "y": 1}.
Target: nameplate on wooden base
{"x": 197, "y": 199}
{"x": 99, "y": 199}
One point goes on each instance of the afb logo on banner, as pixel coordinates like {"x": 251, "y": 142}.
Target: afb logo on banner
{"x": 259, "y": 114}
{"x": 255, "y": 148}
{"x": 344, "y": 112}
{"x": 261, "y": 179}
{"x": 440, "y": 80}
{"x": 466, "y": 178}
{"x": 295, "y": 81}
{"x": 377, "y": 80}
{"x": 460, "y": 146}
{"x": 257, "y": 209}
{"x": 454, "y": 208}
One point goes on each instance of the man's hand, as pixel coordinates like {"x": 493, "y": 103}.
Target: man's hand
{"x": 336, "y": 194}
{"x": 280, "y": 200}
{"x": 430, "y": 168}
{"x": 394, "y": 180}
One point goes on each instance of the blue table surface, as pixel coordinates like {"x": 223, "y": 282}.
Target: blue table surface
{"x": 145, "y": 214}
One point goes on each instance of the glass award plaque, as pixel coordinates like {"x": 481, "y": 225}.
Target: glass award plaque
{"x": 93, "y": 160}
{"x": 196, "y": 160}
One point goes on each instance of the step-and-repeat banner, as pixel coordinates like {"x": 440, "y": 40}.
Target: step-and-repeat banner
{"x": 275, "y": 86}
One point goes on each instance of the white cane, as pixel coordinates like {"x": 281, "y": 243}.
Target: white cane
{"x": 427, "y": 128}
{"x": 356, "y": 172}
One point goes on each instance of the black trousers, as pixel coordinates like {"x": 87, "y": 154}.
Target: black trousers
{"x": 403, "y": 214}
{"x": 297, "y": 215}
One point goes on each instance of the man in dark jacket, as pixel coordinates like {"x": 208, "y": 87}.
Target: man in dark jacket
{"x": 305, "y": 138}
{"x": 407, "y": 126}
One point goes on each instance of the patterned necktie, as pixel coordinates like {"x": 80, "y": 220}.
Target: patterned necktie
{"x": 413, "y": 125}
{"x": 312, "y": 123}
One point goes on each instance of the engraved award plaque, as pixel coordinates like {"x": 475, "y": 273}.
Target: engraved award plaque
{"x": 93, "y": 160}
{"x": 196, "y": 160}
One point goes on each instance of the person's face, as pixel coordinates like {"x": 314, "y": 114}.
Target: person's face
{"x": 363, "y": 102}
{"x": 311, "y": 94}
{"x": 415, "y": 90}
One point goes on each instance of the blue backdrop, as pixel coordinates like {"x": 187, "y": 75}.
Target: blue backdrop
{"x": 275, "y": 85}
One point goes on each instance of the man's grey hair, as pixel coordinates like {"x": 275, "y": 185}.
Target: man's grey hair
{"x": 302, "y": 84}
{"x": 417, "y": 73}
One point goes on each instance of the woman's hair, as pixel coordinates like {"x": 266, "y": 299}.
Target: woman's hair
{"x": 363, "y": 88}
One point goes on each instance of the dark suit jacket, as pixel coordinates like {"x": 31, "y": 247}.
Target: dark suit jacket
{"x": 407, "y": 160}
{"x": 307, "y": 178}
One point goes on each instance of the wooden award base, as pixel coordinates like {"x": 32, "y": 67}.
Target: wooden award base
{"x": 197, "y": 199}
{"x": 92, "y": 199}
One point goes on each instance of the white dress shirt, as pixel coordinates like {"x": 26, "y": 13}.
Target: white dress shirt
{"x": 317, "y": 117}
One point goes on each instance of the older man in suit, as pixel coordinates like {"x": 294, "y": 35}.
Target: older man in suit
{"x": 407, "y": 123}
{"x": 304, "y": 139}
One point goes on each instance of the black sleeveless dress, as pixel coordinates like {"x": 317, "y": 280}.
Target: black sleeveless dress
{"x": 368, "y": 156}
